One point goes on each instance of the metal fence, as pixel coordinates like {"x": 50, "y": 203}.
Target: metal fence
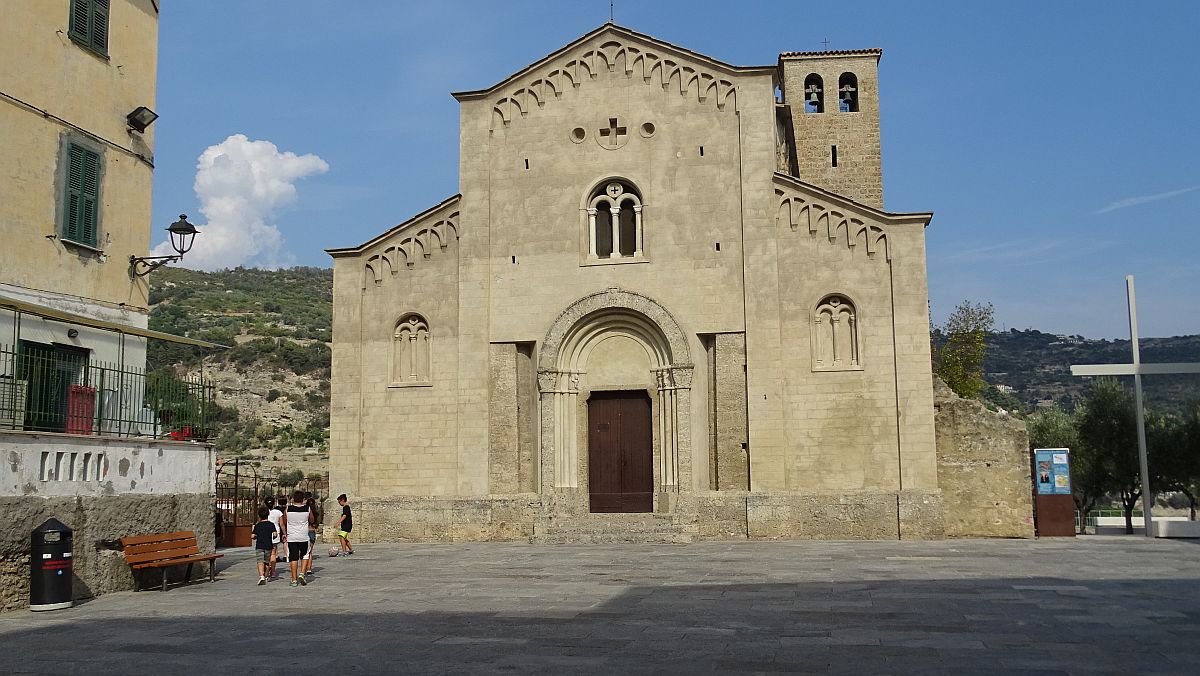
{"x": 59, "y": 389}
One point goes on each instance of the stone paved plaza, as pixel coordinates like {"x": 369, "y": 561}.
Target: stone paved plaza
{"x": 1090, "y": 605}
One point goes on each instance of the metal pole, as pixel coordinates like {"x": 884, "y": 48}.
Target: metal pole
{"x": 237, "y": 464}
{"x": 1147, "y": 497}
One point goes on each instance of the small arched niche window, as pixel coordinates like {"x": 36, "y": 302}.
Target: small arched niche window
{"x": 615, "y": 221}
{"x": 848, "y": 93}
{"x": 814, "y": 94}
{"x": 835, "y": 335}
{"x": 411, "y": 363}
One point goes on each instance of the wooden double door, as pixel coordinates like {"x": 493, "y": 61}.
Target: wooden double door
{"x": 620, "y": 452}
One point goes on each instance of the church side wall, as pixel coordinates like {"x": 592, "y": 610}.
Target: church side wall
{"x": 841, "y": 424}
{"x": 405, "y": 442}
{"x": 345, "y": 376}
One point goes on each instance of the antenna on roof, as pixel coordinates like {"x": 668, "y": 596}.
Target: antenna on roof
{"x": 826, "y": 43}
{"x": 610, "y": 11}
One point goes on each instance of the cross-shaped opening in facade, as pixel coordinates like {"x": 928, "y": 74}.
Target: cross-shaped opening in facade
{"x": 613, "y": 133}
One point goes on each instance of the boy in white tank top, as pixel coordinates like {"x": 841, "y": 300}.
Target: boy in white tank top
{"x": 299, "y": 519}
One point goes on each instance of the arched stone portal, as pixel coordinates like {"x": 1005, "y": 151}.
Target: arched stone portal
{"x": 614, "y": 340}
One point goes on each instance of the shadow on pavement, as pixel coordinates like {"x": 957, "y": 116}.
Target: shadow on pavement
{"x": 981, "y": 625}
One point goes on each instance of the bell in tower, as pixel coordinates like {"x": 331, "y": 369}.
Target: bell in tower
{"x": 848, "y": 90}
{"x": 814, "y": 100}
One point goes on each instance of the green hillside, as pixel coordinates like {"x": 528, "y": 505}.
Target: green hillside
{"x": 1037, "y": 366}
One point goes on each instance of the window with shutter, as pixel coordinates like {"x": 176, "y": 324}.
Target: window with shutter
{"x": 89, "y": 24}
{"x": 82, "y": 195}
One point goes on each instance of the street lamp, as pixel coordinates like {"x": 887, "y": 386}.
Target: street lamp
{"x": 182, "y": 236}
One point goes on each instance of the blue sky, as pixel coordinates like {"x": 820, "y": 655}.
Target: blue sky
{"x": 1056, "y": 143}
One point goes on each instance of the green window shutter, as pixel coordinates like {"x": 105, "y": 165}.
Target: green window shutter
{"x": 99, "y": 30}
{"x": 74, "y": 206}
{"x": 83, "y": 195}
{"x": 81, "y": 21}
{"x": 91, "y": 196}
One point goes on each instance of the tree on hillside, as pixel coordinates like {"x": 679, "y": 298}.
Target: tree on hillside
{"x": 290, "y": 478}
{"x": 1108, "y": 437}
{"x": 959, "y": 359}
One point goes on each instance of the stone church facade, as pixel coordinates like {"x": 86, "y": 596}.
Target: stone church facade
{"x": 667, "y": 305}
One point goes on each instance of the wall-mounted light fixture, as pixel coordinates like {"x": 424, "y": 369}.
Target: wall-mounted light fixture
{"x": 140, "y": 118}
{"x": 182, "y": 236}
{"x": 72, "y": 333}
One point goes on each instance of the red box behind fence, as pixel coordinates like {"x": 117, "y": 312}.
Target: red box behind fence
{"x": 81, "y": 409}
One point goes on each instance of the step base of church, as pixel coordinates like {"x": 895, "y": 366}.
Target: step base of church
{"x": 613, "y": 529}
{"x": 713, "y": 515}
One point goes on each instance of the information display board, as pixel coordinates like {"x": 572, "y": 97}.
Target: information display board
{"x": 1053, "y": 468}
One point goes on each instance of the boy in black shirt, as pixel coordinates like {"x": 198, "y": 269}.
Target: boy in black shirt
{"x": 345, "y": 524}
{"x": 263, "y": 536}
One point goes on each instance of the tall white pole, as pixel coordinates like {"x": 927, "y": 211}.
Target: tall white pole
{"x": 1147, "y": 497}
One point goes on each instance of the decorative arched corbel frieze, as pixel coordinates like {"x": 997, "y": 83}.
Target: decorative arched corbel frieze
{"x": 572, "y": 70}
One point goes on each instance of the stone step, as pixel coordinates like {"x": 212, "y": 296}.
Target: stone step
{"x": 613, "y": 528}
{"x": 583, "y": 538}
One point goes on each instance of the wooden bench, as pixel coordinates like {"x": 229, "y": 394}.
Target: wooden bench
{"x": 164, "y": 550}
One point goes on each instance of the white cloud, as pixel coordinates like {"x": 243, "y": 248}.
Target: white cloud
{"x": 1134, "y": 201}
{"x": 240, "y": 184}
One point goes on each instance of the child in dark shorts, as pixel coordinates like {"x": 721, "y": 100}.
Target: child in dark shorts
{"x": 264, "y": 549}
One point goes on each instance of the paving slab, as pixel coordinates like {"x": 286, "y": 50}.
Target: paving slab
{"x": 1054, "y": 606}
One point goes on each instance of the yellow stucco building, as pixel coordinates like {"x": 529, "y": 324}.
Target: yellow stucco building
{"x": 87, "y": 435}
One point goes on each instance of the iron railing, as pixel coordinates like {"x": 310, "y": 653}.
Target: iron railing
{"x": 58, "y": 389}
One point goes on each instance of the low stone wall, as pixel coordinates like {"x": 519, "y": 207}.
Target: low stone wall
{"x": 983, "y": 469}
{"x": 98, "y": 570}
{"x": 437, "y": 519}
{"x": 818, "y": 516}
{"x": 732, "y": 515}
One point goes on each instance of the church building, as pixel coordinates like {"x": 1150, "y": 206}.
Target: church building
{"x": 666, "y": 305}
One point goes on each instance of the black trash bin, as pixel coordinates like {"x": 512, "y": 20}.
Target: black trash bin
{"x": 50, "y": 566}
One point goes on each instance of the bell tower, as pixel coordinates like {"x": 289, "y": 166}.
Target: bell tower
{"x": 833, "y": 98}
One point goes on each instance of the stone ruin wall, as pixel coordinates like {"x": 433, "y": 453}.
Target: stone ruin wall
{"x": 983, "y": 469}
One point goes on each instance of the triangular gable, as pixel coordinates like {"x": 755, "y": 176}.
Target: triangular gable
{"x": 617, "y": 33}
{"x": 446, "y": 222}
{"x": 819, "y": 212}
{"x": 610, "y": 47}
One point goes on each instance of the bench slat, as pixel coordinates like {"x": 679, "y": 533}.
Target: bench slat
{"x": 156, "y": 537}
{"x": 156, "y": 556}
{"x": 175, "y": 562}
{"x": 161, "y": 547}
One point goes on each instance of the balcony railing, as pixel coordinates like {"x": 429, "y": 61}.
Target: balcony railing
{"x": 58, "y": 389}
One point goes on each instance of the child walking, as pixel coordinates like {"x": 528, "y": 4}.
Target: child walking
{"x": 275, "y": 516}
{"x": 299, "y": 521}
{"x": 264, "y": 535}
{"x": 345, "y": 524}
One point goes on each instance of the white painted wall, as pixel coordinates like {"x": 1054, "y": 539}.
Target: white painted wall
{"x": 60, "y": 465}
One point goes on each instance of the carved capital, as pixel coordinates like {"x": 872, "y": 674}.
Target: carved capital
{"x": 547, "y": 380}
{"x": 682, "y": 376}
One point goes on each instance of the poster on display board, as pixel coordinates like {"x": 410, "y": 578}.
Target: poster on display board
{"x": 1052, "y": 471}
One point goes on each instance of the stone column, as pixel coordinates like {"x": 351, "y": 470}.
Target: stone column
{"x": 616, "y": 232}
{"x": 547, "y": 381}
{"x": 592, "y": 232}
{"x": 637, "y": 220}
{"x": 681, "y": 376}
{"x": 674, "y": 424}
{"x": 560, "y": 452}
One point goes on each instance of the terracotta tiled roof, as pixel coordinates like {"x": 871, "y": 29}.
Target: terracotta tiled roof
{"x": 841, "y": 52}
